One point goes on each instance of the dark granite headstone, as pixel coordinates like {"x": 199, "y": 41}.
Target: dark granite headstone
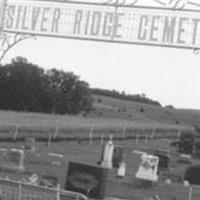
{"x": 164, "y": 160}
{"x": 117, "y": 156}
{"x": 87, "y": 179}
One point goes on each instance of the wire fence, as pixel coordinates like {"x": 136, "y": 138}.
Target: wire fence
{"x": 16, "y": 190}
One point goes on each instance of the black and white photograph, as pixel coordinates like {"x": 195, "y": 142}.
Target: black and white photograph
{"x": 99, "y": 100}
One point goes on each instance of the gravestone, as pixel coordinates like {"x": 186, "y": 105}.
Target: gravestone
{"x": 121, "y": 170}
{"x": 164, "y": 159}
{"x": 117, "y": 156}
{"x": 107, "y": 158}
{"x": 86, "y": 179}
{"x": 186, "y": 143}
{"x": 148, "y": 168}
{"x": 30, "y": 144}
{"x": 164, "y": 145}
{"x": 12, "y": 159}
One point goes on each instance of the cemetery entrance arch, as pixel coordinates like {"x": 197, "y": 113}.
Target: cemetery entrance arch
{"x": 164, "y": 27}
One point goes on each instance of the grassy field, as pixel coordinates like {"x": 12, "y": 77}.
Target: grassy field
{"x": 128, "y": 188}
{"x": 110, "y": 116}
{"x": 125, "y": 120}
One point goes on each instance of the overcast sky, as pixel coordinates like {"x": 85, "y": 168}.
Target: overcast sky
{"x": 171, "y": 76}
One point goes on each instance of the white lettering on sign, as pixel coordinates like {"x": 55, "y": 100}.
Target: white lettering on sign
{"x": 123, "y": 24}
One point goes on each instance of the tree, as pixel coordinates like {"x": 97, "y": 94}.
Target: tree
{"x": 71, "y": 95}
{"x": 23, "y": 87}
{"x": 27, "y": 87}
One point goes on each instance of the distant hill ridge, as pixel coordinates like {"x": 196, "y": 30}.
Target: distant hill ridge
{"x": 141, "y": 98}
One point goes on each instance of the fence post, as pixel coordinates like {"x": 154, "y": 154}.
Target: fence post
{"x": 153, "y": 132}
{"x": 19, "y": 191}
{"x": 178, "y": 134}
{"x": 102, "y": 140}
{"x": 49, "y": 141}
{"x": 124, "y": 131}
{"x": 56, "y": 132}
{"x": 137, "y": 139}
{"x": 16, "y": 132}
{"x": 91, "y": 135}
{"x": 58, "y": 192}
{"x": 146, "y": 139}
{"x": 190, "y": 193}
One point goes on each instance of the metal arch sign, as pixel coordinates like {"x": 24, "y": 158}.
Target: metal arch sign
{"x": 107, "y": 23}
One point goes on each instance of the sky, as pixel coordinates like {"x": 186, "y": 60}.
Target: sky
{"x": 168, "y": 75}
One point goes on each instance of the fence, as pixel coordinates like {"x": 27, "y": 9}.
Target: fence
{"x": 15, "y": 190}
{"x": 43, "y": 133}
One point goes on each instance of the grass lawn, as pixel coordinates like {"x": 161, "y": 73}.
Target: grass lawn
{"x": 128, "y": 188}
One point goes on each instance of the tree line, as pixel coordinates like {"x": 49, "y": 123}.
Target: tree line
{"x": 27, "y": 87}
{"x": 141, "y": 98}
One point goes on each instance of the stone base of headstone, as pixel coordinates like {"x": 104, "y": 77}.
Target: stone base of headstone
{"x": 107, "y": 164}
{"x": 145, "y": 183}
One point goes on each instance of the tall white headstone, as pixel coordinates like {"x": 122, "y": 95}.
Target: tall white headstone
{"x": 108, "y": 154}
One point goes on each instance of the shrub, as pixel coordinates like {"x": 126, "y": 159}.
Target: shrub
{"x": 192, "y": 174}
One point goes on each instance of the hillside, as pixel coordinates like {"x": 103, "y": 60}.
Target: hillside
{"x": 140, "y": 112}
{"x": 110, "y": 116}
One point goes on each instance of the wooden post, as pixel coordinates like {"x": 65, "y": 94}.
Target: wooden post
{"x": 16, "y": 132}
{"x": 190, "y": 193}
{"x": 49, "y": 141}
{"x": 178, "y": 134}
{"x": 58, "y": 192}
{"x": 19, "y": 191}
{"x": 153, "y": 132}
{"x": 146, "y": 139}
{"x": 137, "y": 139}
{"x": 56, "y": 132}
{"x": 91, "y": 135}
{"x": 124, "y": 131}
{"x": 102, "y": 140}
